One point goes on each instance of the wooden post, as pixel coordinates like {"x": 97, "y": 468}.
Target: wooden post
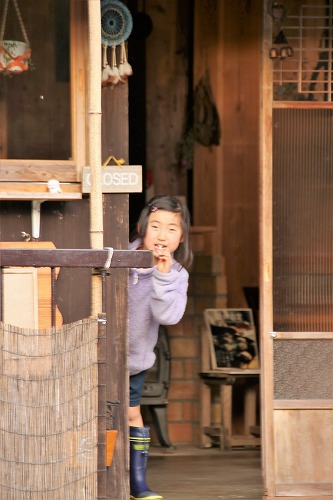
{"x": 94, "y": 146}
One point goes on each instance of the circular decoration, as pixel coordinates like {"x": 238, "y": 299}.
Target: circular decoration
{"x": 116, "y": 22}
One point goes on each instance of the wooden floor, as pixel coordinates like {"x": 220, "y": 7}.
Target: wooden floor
{"x": 193, "y": 474}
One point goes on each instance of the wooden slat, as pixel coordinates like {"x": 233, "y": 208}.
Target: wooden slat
{"x": 226, "y": 372}
{"x": 27, "y": 196}
{"x": 301, "y": 104}
{"x": 37, "y": 171}
{"x": 245, "y": 441}
{"x": 74, "y": 258}
{"x": 303, "y": 335}
{"x": 37, "y": 187}
{"x": 329, "y": 497}
{"x": 38, "y": 191}
{"x": 303, "y": 404}
{"x": 303, "y": 490}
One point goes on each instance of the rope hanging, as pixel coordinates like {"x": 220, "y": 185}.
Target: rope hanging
{"x": 14, "y": 55}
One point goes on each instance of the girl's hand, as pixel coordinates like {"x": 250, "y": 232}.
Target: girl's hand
{"x": 164, "y": 261}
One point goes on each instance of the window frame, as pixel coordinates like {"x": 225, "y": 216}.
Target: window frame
{"x": 27, "y": 179}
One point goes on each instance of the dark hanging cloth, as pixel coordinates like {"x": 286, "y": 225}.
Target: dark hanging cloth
{"x": 207, "y": 129}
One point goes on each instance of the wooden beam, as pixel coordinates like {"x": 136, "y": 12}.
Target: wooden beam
{"x": 18, "y": 257}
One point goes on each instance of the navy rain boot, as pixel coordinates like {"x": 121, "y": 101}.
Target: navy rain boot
{"x": 139, "y": 446}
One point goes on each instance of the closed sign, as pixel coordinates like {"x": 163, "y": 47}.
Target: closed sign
{"x": 124, "y": 179}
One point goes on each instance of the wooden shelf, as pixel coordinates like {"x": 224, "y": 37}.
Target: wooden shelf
{"x": 38, "y": 191}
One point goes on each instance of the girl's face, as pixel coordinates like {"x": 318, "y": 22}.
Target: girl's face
{"x": 164, "y": 233}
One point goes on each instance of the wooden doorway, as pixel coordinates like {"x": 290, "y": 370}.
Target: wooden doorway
{"x": 297, "y": 268}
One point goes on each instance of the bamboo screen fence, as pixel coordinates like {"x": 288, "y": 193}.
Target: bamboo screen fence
{"x": 49, "y": 412}
{"x": 55, "y": 420}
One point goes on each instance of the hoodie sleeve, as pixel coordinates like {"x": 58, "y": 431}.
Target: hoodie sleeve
{"x": 169, "y": 295}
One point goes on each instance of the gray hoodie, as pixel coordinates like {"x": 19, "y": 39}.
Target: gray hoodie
{"x": 155, "y": 299}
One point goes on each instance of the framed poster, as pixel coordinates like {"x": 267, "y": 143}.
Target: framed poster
{"x": 232, "y": 338}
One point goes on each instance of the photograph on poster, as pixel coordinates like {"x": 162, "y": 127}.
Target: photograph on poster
{"x": 232, "y": 338}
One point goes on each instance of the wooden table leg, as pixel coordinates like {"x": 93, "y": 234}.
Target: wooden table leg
{"x": 226, "y": 416}
{"x": 250, "y": 400}
{"x": 205, "y": 414}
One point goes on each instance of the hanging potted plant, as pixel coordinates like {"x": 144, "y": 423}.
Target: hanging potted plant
{"x": 14, "y": 54}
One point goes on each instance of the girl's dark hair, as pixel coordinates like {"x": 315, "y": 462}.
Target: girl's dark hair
{"x": 183, "y": 254}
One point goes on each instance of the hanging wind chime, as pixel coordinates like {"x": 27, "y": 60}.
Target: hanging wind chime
{"x": 281, "y": 49}
{"x": 117, "y": 25}
{"x": 14, "y": 55}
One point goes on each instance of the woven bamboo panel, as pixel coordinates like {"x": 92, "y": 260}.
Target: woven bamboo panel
{"x": 48, "y": 412}
{"x": 303, "y": 369}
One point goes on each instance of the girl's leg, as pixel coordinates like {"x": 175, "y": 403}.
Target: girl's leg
{"x": 134, "y": 416}
{"x": 139, "y": 444}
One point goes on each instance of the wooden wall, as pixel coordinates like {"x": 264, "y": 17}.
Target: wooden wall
{"x": 66, "y": 224}
{"x": 226, "y": 193}
{"x": 168, "y": 53}
{"x": 226, "y": 43}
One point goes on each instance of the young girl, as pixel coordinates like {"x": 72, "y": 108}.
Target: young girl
{"x": 157, "y": 296}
